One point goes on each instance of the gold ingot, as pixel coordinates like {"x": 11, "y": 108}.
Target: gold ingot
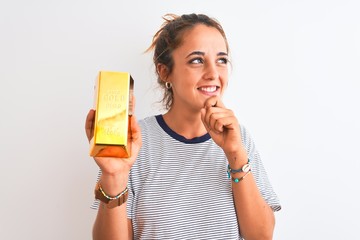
{"x": 113, "y": 105}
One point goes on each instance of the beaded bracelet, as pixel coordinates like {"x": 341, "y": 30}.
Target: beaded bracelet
{"x": 236, "y": 180}
{"x": 246, "y": 168}
{"x": 112, "y": 198}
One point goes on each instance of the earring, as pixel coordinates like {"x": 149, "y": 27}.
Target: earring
{"x": 168, "y": 85}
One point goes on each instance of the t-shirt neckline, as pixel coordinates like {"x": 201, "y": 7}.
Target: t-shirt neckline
{"x": 168, "y": 130}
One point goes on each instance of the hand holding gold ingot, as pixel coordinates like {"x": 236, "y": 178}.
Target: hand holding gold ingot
{"x": 114, "y": 107}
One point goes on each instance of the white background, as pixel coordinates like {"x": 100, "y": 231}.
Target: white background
{"x": 294, "y": 85}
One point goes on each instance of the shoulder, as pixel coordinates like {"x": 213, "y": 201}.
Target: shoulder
{"x": 245, "y": 135}
{"x": 149, "y": 126}
{"x": 147, "y": 122}
{"x": 247, "y": 140}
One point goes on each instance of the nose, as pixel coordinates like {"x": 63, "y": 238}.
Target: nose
{"x": 210, "y": 71}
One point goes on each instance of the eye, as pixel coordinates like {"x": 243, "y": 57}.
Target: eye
{"x": 196, "y": 61}
{"x": 223, "y": 60}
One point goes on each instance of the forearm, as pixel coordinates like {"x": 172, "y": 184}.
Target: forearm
{"x": 112, "y": 223}
{"x": 255, "y": 217}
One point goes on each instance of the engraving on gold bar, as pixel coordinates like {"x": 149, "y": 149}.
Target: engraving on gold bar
{"x": 113, "y": 105}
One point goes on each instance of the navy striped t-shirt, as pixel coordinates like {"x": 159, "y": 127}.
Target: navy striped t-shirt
{"x": 179, "y": 189}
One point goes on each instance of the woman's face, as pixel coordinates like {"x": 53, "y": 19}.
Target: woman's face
{"x": 200, "y": 68}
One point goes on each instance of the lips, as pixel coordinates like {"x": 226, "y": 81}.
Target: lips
{"x": 211, "y": 90}
{"x": 208, "y": 89}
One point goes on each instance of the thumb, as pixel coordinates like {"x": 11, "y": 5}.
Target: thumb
{"x": 135, "y": 131}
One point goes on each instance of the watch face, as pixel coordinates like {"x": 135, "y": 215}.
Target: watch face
{"x": 246, "y": 167}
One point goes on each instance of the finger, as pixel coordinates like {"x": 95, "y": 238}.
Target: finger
{"x": 214, "y": 101}
{"x": 132, "y": 105}
{"x": 212, "y": 104}
{"x": 135, "y": 131}
{"x": 208, "y": 118}
{"x": 203, "y": 118}
{"x": 218, "y": 118}
{"x": 208, "y": 111}
{"x": 89, "y": 123}
{"x": 224, "y": 122}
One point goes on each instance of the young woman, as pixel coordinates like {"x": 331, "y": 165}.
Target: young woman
{"x": 194, "y": 171}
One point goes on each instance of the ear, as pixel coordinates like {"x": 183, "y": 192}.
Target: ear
{"x": 162, "y": 70}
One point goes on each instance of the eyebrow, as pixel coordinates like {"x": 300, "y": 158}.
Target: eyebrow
{"x": 203, "y": 54}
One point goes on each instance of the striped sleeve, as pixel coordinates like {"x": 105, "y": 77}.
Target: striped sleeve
{"x": 96, "y": 202}
{"x": 259, "y": 172}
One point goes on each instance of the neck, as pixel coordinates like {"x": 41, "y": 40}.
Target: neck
{"x": 188, "y": 125}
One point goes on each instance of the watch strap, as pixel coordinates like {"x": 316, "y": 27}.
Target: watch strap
{"x": 111, "y": 202}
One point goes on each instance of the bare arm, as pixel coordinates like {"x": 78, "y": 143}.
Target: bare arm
{"x": 113, "y": 223}
{"x": 255, "y": 217}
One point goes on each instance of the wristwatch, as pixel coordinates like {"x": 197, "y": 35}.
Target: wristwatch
{"x": 111, "y": 202}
